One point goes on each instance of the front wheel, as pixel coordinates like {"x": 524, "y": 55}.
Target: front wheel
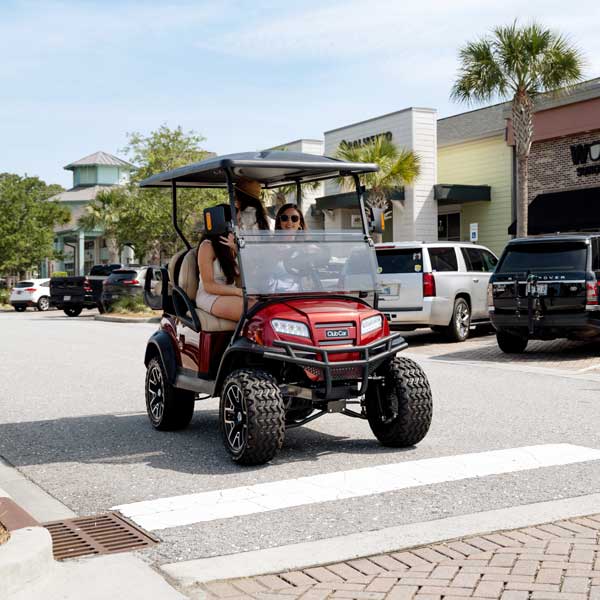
{"x": 458, "y": 330}
{"x": 251, "y": 414}
{"x": 43, "y": 303}
{"x": 511, "y": 344}
{"x": 73, "y": 311}
{"x": 168, "y": 408}
{"x": 399, "y": 409}
{"x": 20, "y": 308}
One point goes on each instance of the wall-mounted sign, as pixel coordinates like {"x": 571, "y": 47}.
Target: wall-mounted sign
{"x": 366, "y": 140}
{"x": 474, "y": 229}
{"x": 582, "y": 153}
{"x": 355, "y": 221}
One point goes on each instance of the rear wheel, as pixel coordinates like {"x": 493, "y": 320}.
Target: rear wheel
{"x": 251, "y": 414}
{"x": 400, "y": 409}
{"x": 458, "y": 330}
{"x": 20, "y": 308}
{"x": 101, "y": 308}
{"x": 43, "y": 303}
{"x": 511, "y": 344}
{"x": 73, "y": 311}
{"x": 169, "y": 408}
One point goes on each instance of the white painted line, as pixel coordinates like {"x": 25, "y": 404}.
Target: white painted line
{"x": 177, "y": 511}
{"x": 370, "y": 543}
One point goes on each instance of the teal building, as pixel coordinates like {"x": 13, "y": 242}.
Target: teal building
{"x": 82, "y": 249}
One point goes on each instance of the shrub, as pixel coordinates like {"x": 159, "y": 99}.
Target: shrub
{"x": 4, "y": 296}
{"x": 130, "y": 304}
{"x": 59, "y": 274}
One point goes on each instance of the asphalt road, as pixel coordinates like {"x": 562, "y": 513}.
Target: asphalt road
{"x": 72, "y": 419}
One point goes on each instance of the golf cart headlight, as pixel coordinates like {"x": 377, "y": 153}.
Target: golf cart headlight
{"x": 370, "y": 324}
{"x": 290, "y": 328}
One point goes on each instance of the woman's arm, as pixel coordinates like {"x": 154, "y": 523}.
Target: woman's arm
{"x": 206, "y": 258}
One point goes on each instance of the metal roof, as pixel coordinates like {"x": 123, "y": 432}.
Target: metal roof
{"x": 99, "y": 159}
{"x": 272, "y": 168}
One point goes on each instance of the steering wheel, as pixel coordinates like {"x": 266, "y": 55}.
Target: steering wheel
{"x": 305, "y": 259}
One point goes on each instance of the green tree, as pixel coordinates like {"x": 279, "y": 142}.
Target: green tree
{"x": 517, "y": 63}
{"x": 28, "y": 221}
{"x": 142, "y": 217}
{"x": 397, "y": 167}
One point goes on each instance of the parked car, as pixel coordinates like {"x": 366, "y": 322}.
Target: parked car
{"x": 442, "y": 285}
{"x": 128, "y": 281}
{"x": 73, "y": 294}
{"x": 546, "y": 288}
{"x": 31, "y": 292}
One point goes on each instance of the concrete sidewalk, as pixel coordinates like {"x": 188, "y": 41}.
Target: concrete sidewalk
{"x": 555, "y": 561}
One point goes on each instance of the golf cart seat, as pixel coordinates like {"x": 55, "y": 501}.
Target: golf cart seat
{"x": 187, "y": 280}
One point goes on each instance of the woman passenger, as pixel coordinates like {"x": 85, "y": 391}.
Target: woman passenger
{"x": 289, "y": 218}
{"x": 251, "y": 212}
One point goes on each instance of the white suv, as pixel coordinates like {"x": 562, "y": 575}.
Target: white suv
{"x": 442, "y": 285}
{"x": 31, "y": 292}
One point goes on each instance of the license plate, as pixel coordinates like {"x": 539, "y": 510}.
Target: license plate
{"x": 19, "y": 292}
{"x": 67, "y": 298}
{"x": 390, "y": 290}
{"x": 542, "y": 289}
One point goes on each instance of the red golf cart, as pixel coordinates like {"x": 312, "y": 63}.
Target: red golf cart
{"x": 311, "y": 340}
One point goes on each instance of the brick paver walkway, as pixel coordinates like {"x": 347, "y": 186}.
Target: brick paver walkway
{"x": 556, "y": 561}
{"x": 562, "y": 355}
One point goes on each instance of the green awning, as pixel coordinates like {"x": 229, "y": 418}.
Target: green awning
{"x": 452, "y": 193}
{"x": 349, "y": 199}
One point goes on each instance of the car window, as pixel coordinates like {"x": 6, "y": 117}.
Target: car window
{"x": 24, "y": 284}
{"x": 400, "y": 260}
{"x": 556, "y": 256}
{"x": 595, "y": 254}
{"x": 45, "y": 283}
{"x": 479, "y": 260}
{"x": 443, "y": 259}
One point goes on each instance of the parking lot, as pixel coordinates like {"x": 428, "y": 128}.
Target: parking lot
{"x": 73, "y": 421}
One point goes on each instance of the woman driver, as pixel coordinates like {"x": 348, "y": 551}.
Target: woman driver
{"x": 289, "y": 218}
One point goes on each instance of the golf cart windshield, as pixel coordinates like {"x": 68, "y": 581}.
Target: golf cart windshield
{"x": 280, "y": 263}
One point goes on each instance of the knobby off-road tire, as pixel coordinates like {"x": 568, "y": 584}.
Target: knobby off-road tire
{"x": 43, "y": 304}
{"x": 251, "y": 415}
{"x": 169, "y": 408}
{"x": 73, "y": 311}
{"x": 400, "y": 415}
{"x": 511, "y": 344}
{"x": 458, "y": 330}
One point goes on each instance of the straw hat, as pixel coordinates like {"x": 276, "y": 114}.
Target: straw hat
{"x": 249, "y": 186}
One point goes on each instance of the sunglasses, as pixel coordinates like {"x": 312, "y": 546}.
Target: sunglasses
{"x": 292, "y": 218}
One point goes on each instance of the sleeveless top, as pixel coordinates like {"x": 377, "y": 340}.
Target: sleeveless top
{"x": 218, "y": 275}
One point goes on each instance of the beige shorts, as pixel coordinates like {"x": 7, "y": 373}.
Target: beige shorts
{"x": 205, "y": 301}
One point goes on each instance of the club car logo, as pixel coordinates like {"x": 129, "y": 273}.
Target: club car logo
{"x": 582, "y": 153}
{"x": 336, "y": 333}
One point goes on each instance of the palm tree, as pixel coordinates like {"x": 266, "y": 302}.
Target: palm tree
{"x": 517, "y": 63}
{"x": 397, "y": 167}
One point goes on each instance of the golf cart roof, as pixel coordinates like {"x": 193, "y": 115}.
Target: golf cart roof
{"x": 272, "y": 168}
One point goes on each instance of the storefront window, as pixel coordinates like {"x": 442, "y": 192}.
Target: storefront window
{"x": 449, "y": 227}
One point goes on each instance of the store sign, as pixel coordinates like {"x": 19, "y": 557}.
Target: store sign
{"x": 366, "y": 140}
{"x": 582, "y": 153}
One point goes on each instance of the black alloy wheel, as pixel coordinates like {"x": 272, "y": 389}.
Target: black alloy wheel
{"x": 251, "y": 415}
{"x": 43, "y": 303}
{"x": 73, "y": 311}
{"x": 20, "y": 308}
{"x": 400, "y": 410}
{"x": 168, "y": 408}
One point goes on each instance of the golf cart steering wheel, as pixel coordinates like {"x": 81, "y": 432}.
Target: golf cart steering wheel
{"x": 303, "y": 261}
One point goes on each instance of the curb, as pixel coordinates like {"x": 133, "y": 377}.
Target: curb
{"x": 27, "y": 555}
{"x": 116, "y": 319}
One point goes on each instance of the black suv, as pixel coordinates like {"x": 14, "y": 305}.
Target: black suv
{"x": 545, "y": 288}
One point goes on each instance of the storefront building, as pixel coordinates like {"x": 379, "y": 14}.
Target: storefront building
{"x": 81, "y": 248}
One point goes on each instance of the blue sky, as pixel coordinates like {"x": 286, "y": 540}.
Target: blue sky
{"x": 76, "y": 76}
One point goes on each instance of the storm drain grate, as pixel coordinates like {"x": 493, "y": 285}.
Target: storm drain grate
{"x": 102, "y": 534}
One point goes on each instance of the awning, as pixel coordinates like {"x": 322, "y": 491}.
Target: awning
{"x": 574, "y": 210}
{"x": 453, "y": 193}
{"x": 349, "y": 199}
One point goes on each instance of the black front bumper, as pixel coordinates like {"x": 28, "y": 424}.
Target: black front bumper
{"x": 319, "y": 358}
{"x": 549, "y": 326}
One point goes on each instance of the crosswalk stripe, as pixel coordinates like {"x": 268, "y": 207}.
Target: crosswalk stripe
{"x": 182, "y": 510}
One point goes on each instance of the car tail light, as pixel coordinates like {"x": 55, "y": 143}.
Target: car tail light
{"x": 130, "y": 282}
{"x": 86, "y": 285}
{"x": 490, "y": 297}
{"x": 428, "y": 285}
{"x": 30, "y": 290}
{"x": 591, "y": 292}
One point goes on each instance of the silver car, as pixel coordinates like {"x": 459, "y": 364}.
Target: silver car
{"x": 442, "y": 285}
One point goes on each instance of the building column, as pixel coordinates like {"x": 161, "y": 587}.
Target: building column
{"x": 81, "y": 253}
{"x": 60, "y": 247}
